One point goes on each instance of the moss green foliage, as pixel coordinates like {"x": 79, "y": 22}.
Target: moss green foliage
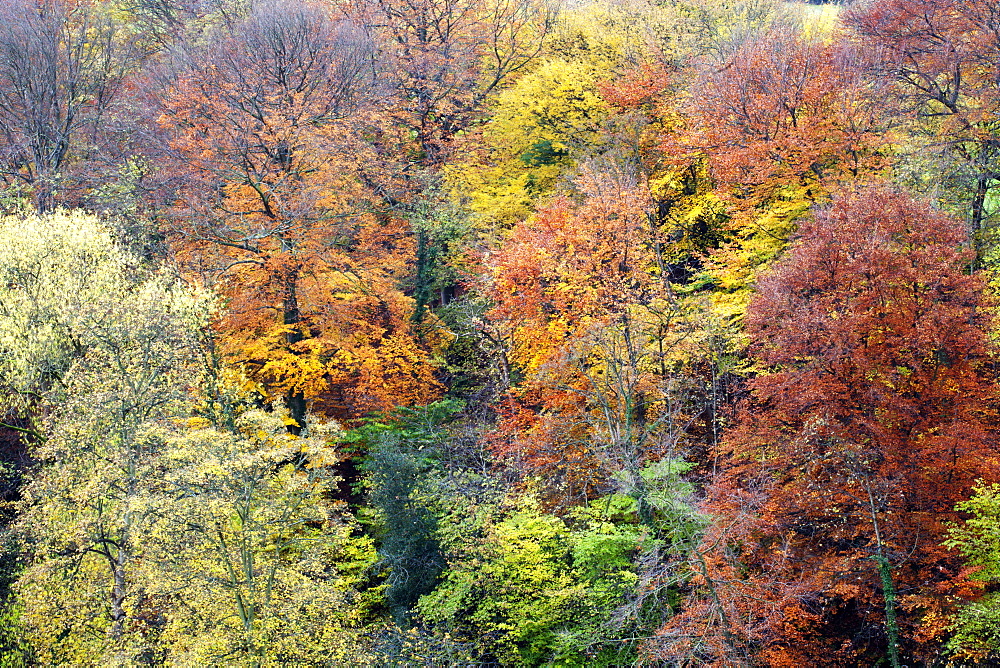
{"x": 402, "y": 449}
{"x": 527, "y": 588}
{"x": 977, "y": 626}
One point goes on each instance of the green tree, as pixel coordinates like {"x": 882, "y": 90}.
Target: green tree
{"x": 528, "y": 588}
{"x": 402, "y": 451}
{"x": 976, "y": 629}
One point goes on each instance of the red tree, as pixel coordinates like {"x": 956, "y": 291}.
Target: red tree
{"x": 850, "y": 457}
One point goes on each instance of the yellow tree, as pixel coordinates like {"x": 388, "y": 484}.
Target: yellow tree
{"x": 103, "y": 350}
{"x": 247, "y": 558}
{"x": 538, "y": 128}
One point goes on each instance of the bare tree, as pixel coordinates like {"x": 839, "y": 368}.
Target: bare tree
{"x": 62, "y": 66}
{"x": 449, "y": 55}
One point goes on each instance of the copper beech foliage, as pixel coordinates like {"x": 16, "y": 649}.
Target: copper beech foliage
{"x": 263, "y": 138}
{"x": 878, "y": 415}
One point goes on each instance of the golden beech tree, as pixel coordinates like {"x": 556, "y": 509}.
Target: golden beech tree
{"x": 262, "y": 140}
{"x": 837, "y": 484}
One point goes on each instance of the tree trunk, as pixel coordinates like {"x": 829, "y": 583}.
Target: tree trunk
{"x": 295, "y": 400}
{"x": 117, "y": 597}
{"x": 979, "y": 213}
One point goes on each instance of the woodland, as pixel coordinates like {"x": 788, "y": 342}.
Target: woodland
{"x": 499, "y": 333}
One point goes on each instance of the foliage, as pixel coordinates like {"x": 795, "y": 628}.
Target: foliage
{"x": 528, "y": 588}
{"x": 262, "y": 138}
{"x": 943, "y": 59}
{"x": 976, "y": 631}
{"x": 877, "y": 416}
{"x": 248, "y": 562}
{"x": 781, "y": 124}
{"x": 538, "y": 128}
{"x": 106, "y": 369}
{"x": 58, "y": 272}
{"x": 510, "y": 587}
{"x": 717, "y": 392}
{"x": 400, "y": 453}
{"x": 595, "y": 329}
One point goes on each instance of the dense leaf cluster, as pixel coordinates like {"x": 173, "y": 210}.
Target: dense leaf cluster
{"x": 496, "y": 332}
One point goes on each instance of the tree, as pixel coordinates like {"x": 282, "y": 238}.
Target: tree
{"x": 877, "y": 415}
{"x": 597, "y": 341}
{"x": 263, "y": 145}
{"x": 55, "y": 269}
{"x": 102, "y": 349}
{"x": 146, "y": 534}
{"x": 246, "y": 562}
{"x": 447, "y": 56}
{"x": 537, "y": 129}
{"x": 780, "y": 124}
{"x": 944, "y": 59}
{"x": 63, "y": 65}
{"x": 514, "y": 592}
{"x": 977, "y": 626}
{"x": 402, "y": 450}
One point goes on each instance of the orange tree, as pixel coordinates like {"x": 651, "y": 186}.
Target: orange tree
{"x": 837, "y": 483}
{"x": 594, "y": 336}
{"x": 262, "y": 143}
{"x": 779, "y": 125}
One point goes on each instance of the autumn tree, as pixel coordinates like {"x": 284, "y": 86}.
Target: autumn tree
{"x": 101, "y": 349}
{"x": 538, "y": 128}
{"x": 553, "y": 117}
{"x": 779, "y": 124}
{"x": 141, "y": 524}
{"x": 247, "y": 561}
{"x": 944, "y": 59}
{"x": 63, "y": 65}
{"x": 595, "y": 340}
{"x": 877, "y": 416}
{"x": 446, "y": 56}
{"x": 262, "y": 143}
